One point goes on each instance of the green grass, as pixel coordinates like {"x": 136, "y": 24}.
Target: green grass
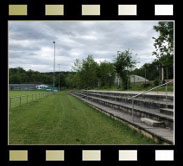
{"x": 62, "y": 119}
{"x": 16, "y": 101}
{"x": 19, "y": 92}
{"x": 139, "y": 87}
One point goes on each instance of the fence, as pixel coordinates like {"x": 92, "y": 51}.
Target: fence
{"x": 23, "y": 99}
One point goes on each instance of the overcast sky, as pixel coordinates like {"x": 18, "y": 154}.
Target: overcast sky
{"x": 31, "y": 42}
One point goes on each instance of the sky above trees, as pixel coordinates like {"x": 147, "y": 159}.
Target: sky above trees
{"x": 31, "y": 42}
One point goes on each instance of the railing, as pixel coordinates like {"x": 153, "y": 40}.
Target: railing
{"x": 139, "y": 94}
{"x": 26, "y": 98}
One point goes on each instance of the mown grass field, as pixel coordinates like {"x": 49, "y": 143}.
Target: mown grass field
{"x": 62, "y": 119}
{"x": 32, "y": 96}
{"x": 21, "y": 92}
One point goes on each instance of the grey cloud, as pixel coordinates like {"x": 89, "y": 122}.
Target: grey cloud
{"x": 30, "y": 42}
{"x": 28, "y": 30}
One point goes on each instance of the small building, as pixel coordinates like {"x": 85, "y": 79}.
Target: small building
{"x": 27, "y": 86}
{"x": 136, "y": 79}
{"x": 42, "y": 86}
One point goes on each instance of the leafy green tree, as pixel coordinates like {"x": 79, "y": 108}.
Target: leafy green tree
{"x": 17, "y": 75}
{"x": 122, "y": 65}
{"x": 15, "y": 79}
{"x": 69, "y": 80}
{"x": 76, "y": 78}
{"x": 106, "y": 74}
{"x": 88, "y": 73}
{"x": 60, "y": 80}
{"x": 151, "y": 70}
{"x": 164, "y": 45}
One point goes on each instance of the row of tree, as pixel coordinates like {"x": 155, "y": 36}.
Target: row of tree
{"x": 20, "y": 76}
{"x": 153, "y": 71}
{"x": 86, "y": 73}
{"x": 162, "y": 67}
{"x": 90, "y": 74}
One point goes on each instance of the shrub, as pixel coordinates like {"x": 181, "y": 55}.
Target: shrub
{"x": 156, "y": 82}
{"x": 146, "y": 85}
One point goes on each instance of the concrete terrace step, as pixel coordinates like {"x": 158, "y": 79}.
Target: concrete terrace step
{"x": 153, "y": 123}
{"x": 163, "y": 134}
{"x": 150, "y": 95}
{"x": 129, "y": 105}
{"x": 166, "y": 111}
{"x": 138, "y": 110}
{"x": 149, "y": 103}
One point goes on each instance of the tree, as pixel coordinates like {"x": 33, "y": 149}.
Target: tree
{"x": 151, "y": 70}
{"x": 106, "y": 74}
{"x": 164, "y": 45}
{"x": 60, "y": 80}
{"x": 15, "y": 79}
{"x": 122, "y": 64}
{"x": 88, "y": 72}
{"x": 69, "y": 80}
{"x": 76, "y": 78}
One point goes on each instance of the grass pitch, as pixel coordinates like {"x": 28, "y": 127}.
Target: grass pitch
{"x": 26, "y": 97}
{"x": 62, "y": 119}
{"x": 19, "y": 92}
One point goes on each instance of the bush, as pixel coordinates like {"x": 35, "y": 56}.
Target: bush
{"x": 156, "y": 82}
{"x": 163, "y": 82}
{"x": 146, "y": 85}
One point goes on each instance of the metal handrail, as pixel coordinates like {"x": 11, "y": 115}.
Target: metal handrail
{"x": 149, "y": 90}
{"x": 132, "y": 98}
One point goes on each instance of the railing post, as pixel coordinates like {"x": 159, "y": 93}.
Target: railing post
{"x": 133, "y": 110}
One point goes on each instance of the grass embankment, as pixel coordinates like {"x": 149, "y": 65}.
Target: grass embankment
{"x": 139, "y": 87}
{"x": 62, "y": 119}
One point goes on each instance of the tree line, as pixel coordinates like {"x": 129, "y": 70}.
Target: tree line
{"x": 162, "y": 67}
{"x": 87, "y": 73}
{"x": 20, "y": 76}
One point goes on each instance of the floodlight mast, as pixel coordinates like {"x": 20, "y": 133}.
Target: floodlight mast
{"x": 118, "y": 79}
{"x": 54, "y": 66}
{"x": 59, "y": 76}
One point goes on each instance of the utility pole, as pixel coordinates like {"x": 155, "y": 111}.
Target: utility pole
{"x": 54, "y": 66}
{"x": 118, "y": 80}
